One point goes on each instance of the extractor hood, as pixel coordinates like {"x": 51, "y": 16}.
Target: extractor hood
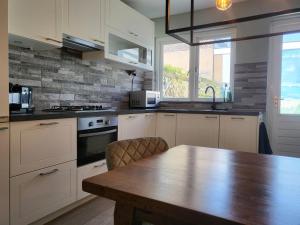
{"x": 80, "y": 44}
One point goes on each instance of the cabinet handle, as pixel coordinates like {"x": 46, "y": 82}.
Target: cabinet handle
{"x": 49, "y": 173}
{"x": 54, "y": 40}
{"x": 132, "y": 33}
{"x": 169, "y": 115}
{"x": 96, "y": 40}
{"x": 135, "y": 63}
{"x": 131, "y": 117}
{"x": 99, "y": 166}
{"x": 211, "y": 117}
{"x": 3, "y": 128}
{"x": 48, "y": 124}
{"x": 237, "y": 118}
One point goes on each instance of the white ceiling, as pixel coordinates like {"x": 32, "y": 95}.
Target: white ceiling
{"x": 156, "y": 8}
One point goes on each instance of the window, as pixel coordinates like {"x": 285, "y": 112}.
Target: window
{"x": 185, "y": 72}
{"x": 290, "y": 79}
{"x": 175, "y": 73}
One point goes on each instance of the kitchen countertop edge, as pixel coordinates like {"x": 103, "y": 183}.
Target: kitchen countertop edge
{"x": 65, "y": 115}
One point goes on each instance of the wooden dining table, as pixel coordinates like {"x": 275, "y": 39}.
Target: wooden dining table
{"x": 190, "y": 185}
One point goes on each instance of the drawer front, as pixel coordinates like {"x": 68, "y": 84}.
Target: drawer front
{"x": 39, "y": 193}
{"x": 39, "y": 144}
{"x": 86, "y": 172}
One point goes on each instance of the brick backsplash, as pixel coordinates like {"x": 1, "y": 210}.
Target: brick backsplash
{"x": 250, "y": 90}
{"x": 61, "y": 77}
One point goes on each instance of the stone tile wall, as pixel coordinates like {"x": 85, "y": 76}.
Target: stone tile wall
{"x": 61, "y": 77}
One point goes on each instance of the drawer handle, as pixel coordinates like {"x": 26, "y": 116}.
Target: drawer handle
{"x": 169, "y": 115}
{"x": 237, "y": 118}
{"x": 131, "y": 117}
{"x": 99, "y": 166}
{"x": 49, "y": 173}
{"x": 96, "y": 40}
{"x": 211, "y": 117}
{"x": 49, "y": 124}
{"x": 54, "y": 40}
{"x": 3, "y": 128}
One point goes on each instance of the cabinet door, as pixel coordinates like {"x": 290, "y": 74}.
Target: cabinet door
{"x": 4, "y": 173}
{"x": 37, "y": 20}
{"x": 38, "y": 144}
{"x": 86, "y": 172}
{"x": 198, "y": 130}
{"x": 131, "y": 126}
{"x": 166, "y": 128}
{"x": 239, "y": 133}
{"x": 4, "y": 112}
{"x": 130, "y": 22}
{"x": 150, "y": 124}
{"x": 84, "y": 19}
{"x": 39, "y": 193}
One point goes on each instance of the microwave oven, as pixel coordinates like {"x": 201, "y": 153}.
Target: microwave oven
{"x": 144, "y": 99}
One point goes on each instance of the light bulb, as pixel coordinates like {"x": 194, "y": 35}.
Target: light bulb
{"x": 223, "y": 4}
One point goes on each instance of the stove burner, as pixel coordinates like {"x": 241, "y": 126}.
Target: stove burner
{"x": 75, "y": 108}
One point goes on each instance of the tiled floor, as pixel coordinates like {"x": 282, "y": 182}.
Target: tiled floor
{"x": 97, "y": 212}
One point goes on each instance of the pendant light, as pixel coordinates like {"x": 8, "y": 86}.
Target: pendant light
{"x": 223, "y": 5}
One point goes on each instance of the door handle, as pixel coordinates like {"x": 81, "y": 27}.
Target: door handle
{"x": 49, "y": 173}
{"x": 3, "y": 128}
{"x": 211, "y": 117}
{"x": 237, "y": 118}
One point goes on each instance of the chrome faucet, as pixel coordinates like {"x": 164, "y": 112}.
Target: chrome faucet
{"x": 214, "y": 105}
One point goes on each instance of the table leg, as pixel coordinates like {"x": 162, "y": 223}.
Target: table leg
{"x": 124, "y": 214}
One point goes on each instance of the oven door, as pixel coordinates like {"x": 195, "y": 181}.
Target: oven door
{"x": 91, "y": 144}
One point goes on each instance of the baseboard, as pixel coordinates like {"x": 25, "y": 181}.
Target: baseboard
{"x": 63, "y": 211}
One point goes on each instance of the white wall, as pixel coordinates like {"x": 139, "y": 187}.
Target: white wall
{"x": 247, "y": 51}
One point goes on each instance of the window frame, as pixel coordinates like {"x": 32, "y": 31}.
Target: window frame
{"x": 194, "y": 61}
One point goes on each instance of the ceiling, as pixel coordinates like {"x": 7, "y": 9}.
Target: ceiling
{"x": 156, "y": 8}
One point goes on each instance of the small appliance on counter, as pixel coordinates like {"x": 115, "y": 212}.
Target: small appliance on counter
{"x": 20, "y": 99}
{"x": 144, "y": 99}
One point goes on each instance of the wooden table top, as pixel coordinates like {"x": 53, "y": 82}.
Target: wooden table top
{"x": 211, "y": 186}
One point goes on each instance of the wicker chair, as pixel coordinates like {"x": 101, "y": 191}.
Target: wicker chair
{"x": 122, "y": 153}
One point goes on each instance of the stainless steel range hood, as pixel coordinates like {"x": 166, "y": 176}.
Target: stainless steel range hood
{"x": 80, "y": 44}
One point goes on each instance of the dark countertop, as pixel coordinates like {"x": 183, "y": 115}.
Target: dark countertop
{"x": 39, "y": 115}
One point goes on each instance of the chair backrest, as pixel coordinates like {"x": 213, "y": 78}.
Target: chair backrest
{"x": 122, "y": 153}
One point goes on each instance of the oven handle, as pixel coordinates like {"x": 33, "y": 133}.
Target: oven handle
{"x": 98, "y": 133}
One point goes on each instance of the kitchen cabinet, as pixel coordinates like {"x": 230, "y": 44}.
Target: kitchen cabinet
{"x": 84, "y": 19}
{"x": 166, "y": 127}
{"x": 87, "y": 171}
{"x": 39, "y": 193}
{"x": 239, "y": 133}
{"x": 130, "y": 126}
{"x": 4, "y": 112}
{"x": 4, "y": 173}
{"x": 35, "y": 20}
{"x": 39, "y": 144}
{"x": 130, "y": 22}
{"x": 197, "y": 129}
{"x": 150, "y": 124}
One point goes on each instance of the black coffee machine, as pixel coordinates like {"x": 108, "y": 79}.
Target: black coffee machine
{"x": 20, "y": 99}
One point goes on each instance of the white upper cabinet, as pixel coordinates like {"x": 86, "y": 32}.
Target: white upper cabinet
{"x": 239, "y": 133}
{"x": 84, "y": 19}
{"x": 127, "y": 20}
{"x": 198, "y": 130}
{"x": 35, "y": 20}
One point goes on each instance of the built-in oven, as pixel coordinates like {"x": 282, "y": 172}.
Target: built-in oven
{"x": 94, "y": 134}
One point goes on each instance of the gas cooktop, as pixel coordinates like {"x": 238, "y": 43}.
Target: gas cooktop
{"x": 83, "y": 108}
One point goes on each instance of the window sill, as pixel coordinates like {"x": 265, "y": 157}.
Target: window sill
{"x": 196, "y": 101}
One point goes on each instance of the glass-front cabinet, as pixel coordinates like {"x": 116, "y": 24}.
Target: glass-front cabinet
{"x": 128, "y": 51}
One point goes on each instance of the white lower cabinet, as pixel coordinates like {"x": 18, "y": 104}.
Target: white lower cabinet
{"x": 130, "y": 126}
{"x": 87, "y": 171}
{"x": 166, "y": 127}
{"x": 197, "y": 129}
{"x": 39, "y": 193}
{"x": 239, "y": 133}
{"x": 150, "y": 124}
{"x": 39, "y": 144}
